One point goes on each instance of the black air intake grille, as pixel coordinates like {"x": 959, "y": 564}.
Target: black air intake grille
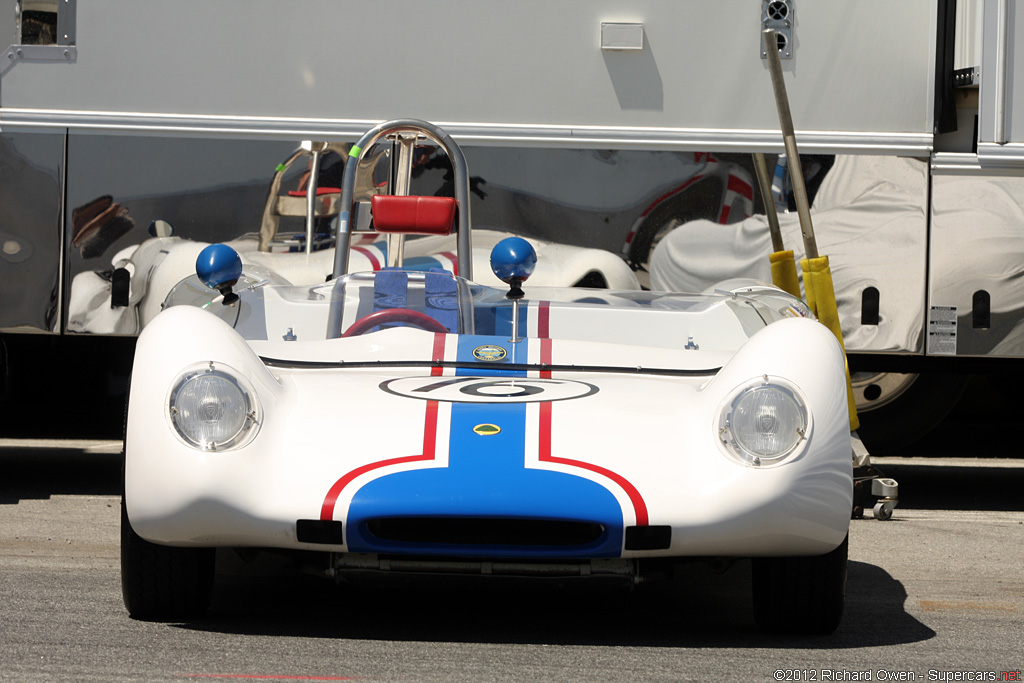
{"x": 475, "y": 531}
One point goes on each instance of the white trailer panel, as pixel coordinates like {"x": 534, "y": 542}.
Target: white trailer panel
{"x": 1001, "y": 101}
{"x": 528, "y": 71}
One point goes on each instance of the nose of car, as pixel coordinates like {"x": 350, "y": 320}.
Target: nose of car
{"x": 486, "y": 501}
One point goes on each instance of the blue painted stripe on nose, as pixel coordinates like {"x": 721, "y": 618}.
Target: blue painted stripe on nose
{"x": 486, "y": 478}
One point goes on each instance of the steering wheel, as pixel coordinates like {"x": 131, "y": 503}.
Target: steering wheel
{"x": 395, "y": 315}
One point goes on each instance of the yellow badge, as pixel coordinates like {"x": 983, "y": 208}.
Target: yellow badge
{"x": 489, "y": 353}
{"x": 487, "y": 429}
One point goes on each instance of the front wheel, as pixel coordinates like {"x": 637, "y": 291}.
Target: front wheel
{"x": 161, "y": 582}
{"x": 801, "y": 594}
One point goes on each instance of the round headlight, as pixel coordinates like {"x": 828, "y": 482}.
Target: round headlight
{"x": 213, "y": 409}
{"x": 763, "y": 422}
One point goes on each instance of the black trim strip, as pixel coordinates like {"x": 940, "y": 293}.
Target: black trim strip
{"x": 521, "y": 367}
{"x": 322, "y": 531}
{"x": 648, "y": 537}
{"x": 945, "y": 104}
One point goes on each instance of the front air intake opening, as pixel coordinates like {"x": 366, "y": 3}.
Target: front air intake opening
{"x": 474, "y": 531}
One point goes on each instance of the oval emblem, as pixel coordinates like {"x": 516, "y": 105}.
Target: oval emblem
{"x": 487, "y": 429}
{"x": 489, "y": 353}
{"x": 488, "y": 389}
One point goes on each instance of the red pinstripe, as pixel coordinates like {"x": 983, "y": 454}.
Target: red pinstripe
{"x": 544, "y": 324}
{"x": 450, "y": 255}
{"x": 639, "y": 506}
{"x": 374, "y": 261}
{"x": 544, "y": 447}
{"x": 429, "y": 443}
{"x": 271, "y": 677}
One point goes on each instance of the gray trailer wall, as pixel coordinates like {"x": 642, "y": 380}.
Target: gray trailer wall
{"x": 490, "y": 71}
{"x": 179, "y": 111}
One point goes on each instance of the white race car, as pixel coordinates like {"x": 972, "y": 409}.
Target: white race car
{"x": 403, "y": 422}
{"x": 148, "y": 271}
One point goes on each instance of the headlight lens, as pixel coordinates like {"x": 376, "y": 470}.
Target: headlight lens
{"x": 763, "y": 423}
{"x": 212, "y": 408}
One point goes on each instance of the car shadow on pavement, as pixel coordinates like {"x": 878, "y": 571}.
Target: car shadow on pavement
{"x": 40, "y": 472}
{"x": 700, "y": 608}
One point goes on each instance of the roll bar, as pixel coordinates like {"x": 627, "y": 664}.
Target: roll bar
{"x": 397, "y": 128}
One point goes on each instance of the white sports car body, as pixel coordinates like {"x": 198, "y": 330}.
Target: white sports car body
{"x": 569, "y": 432}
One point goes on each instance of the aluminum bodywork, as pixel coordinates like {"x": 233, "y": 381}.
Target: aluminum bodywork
{"x": 392, "y": 433}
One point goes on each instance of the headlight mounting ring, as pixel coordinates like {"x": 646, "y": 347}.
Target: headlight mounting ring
{"x": 212, "y": 407}
{"x": 764, "y": 422}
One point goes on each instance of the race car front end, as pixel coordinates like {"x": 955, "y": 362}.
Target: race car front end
{"x": 428, "y": 451}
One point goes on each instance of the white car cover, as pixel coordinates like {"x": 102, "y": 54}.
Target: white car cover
{"x": 869, "y": 218}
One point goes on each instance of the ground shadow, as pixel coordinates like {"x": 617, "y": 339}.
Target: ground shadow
{"x": 925, "y": 486}
{"x": 39, "y": 473}
{"x": 701, "y": 608}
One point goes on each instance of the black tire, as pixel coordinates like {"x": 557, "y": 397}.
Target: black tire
{"x": 163, "y": 583}
{"x": 699, "y": 201}
{"x": 158, "y": 582}
{"x": 801, "y": 594}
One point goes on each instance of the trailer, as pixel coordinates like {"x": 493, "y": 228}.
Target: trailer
{"x": 593, "y": 123}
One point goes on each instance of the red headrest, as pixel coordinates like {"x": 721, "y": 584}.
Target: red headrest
{"x": 413, "y": 215}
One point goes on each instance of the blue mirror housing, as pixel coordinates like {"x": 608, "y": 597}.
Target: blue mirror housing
{"x": 513, "y": 260}
{"x": 219, "y": 267}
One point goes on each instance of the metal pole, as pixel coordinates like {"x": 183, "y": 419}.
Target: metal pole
{"x": 401, "y": 179}
{"x": 796, "y": 172}
{"x": 1002, "y": 38}
{"x": 763, "y": 182}
{"x": 317, "y": 150}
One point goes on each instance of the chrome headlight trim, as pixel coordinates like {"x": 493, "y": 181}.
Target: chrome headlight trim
{"x": 211, "y": 407}
{"x": 763, "y": 423}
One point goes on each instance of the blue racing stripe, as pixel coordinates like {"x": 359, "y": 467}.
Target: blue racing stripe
{"x": 486, "y": 478}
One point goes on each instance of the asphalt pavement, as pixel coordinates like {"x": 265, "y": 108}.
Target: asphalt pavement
{"x": 934, "y": 594}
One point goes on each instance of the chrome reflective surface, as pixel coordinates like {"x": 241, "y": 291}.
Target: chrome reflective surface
{"x": 210, "y": 190}
{"x": 206, "y": 190}
{"x": 870, "y": 219}
{"x": 30, "y": 244}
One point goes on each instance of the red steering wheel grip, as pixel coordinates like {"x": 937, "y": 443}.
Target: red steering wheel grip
{"x": 394, "y": 315}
